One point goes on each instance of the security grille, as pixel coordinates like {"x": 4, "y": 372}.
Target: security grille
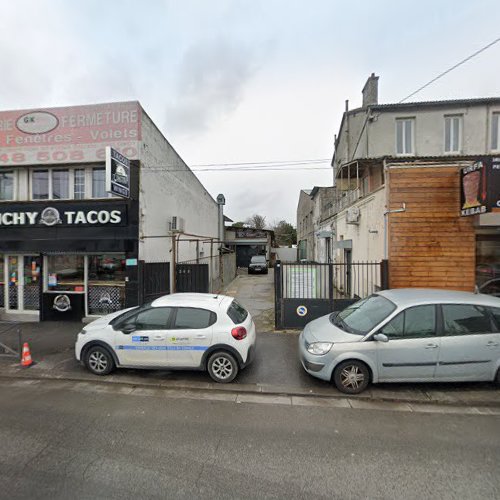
{"x": 32, "y": 297}
{"x": 105, "y": 299}
{"x": 13, "y": 296}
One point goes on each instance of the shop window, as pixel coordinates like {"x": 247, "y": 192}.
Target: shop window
{"x": 106, "y": 283}
{"x": 6, "y": 186}
{"x": 488, "y": 264}
{"x": 65, "y": 273}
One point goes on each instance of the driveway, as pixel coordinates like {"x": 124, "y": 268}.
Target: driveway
{"x": 256, "y": 293}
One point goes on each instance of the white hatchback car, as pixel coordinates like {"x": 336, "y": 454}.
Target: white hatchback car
{"x": 180, "y": 331}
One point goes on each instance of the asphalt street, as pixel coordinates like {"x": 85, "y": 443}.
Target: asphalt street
{"x": 63, "y": 441}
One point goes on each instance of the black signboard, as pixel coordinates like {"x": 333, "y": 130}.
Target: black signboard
{"x": 63, "y": 214}
{"x": 494, "y": 183}
{"x": 474, "y": 194}
{"x": 117, "y": 173}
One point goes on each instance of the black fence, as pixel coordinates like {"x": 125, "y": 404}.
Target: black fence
{"x": 192, "y": 278}
{"x": 306, "y": 291}
{"x": 155, "y": 280}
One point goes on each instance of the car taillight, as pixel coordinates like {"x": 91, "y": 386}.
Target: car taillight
{"x": 239, "y": 333}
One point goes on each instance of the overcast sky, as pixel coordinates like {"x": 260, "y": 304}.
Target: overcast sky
{"x": 233, "y": 81}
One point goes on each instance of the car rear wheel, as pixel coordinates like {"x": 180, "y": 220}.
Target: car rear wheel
{"x": 351, "y": 377}
{"x": 222, "y": 367}
{"x": 98, "y": 360}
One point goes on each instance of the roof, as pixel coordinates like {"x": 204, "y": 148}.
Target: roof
{"x": 307, "y": 191}
{"x": 206, "y": 300}
{"x": 404, "y": 297}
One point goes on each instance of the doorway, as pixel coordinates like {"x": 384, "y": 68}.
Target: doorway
{"x": 22, "y": 275}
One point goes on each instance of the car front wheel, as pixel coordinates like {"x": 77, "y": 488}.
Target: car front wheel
{"x": 222, "y": 367}
{"x": 351, "y": 377}
{"x": 99, "y": 361}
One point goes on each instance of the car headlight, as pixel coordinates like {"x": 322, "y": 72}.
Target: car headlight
{"x": 319, "y": 348}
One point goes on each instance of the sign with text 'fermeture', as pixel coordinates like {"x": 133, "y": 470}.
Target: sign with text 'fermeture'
{"x": 73, "y": 134}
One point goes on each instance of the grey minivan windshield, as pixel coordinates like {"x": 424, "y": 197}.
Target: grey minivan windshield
{"x": 362, "y": 316}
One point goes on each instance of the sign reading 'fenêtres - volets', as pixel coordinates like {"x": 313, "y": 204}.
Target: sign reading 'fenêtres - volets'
{"x": 34, "y": 215}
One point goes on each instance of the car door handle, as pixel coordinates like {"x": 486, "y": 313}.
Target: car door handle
{"x": 492, "y": 344}
{"x": 158, "y": 337}
{"x": 431, "y": 346}
{"x": 201, "y": 336}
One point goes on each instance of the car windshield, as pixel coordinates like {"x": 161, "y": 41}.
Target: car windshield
{"x": 258, "y": 259}
{"x": 362, "y": 316}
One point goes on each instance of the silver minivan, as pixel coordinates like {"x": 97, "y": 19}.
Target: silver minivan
{"x": 406, "y": 335}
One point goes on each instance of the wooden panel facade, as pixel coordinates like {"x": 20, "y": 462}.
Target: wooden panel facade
{"x": 430, "y": 245}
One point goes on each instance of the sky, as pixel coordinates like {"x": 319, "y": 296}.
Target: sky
{"x": 240, "y": 81}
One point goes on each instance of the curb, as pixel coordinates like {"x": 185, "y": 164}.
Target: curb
{"x": 255, "y": 389}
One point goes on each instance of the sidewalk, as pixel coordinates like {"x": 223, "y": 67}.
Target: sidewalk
{"x": 275, "y": 371}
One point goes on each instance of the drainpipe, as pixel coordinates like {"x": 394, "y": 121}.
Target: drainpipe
{"x": 387, "y": 212}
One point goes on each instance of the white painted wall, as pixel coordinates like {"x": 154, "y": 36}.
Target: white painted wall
{"x": 286, "y": 254}
{"x": 168, "y": 188}
{"x": 368, "y": 245}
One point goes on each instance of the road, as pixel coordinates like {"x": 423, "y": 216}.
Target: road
{"x": 60, "y": 440}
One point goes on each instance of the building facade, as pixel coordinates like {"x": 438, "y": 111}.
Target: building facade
{"x": 399, "y": 171}
{"x": 68, "y": 248}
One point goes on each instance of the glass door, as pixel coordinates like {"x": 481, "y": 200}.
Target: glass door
{"x": 22, "y": 283}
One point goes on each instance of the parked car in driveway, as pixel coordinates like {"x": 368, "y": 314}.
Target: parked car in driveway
{"x": 406, "y": 335}
{"x": 180, "y": 331}
{"x": 258, "y": 264}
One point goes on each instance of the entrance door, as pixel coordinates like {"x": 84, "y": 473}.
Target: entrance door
{"x": 22, "y": 283}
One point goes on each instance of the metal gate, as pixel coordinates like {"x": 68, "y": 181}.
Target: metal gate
{"x": 155, "y": 280}
{"x": 304, "y": 292}
{"x": 192, "y": 278}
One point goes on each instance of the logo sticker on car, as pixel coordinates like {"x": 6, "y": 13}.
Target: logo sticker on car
{"x": 140, "y": 338}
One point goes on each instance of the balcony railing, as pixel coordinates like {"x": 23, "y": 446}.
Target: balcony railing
{"x": 345, "y": 199}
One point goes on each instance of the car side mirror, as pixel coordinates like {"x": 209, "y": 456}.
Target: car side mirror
{"x": 381, "y": 337}
{"x": 127, "y": 329}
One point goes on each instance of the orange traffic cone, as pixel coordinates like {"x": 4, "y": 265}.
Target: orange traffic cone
{"x": 26, "y": 358}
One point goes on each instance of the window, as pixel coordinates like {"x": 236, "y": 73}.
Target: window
{"x": 79, "y": 184}
{"x": 156, "y": 318}
{"x": 106, "y": 268}
{"x": 237, "y": 313}
{"x": 65, "y": 273}
{"x": 40, "y": 185}
{"x": 6, "y": 186}
{"x": 463, "y": 319}
{"x": 99, "y": 183}
{"x": 50, "y": 184}
{"x": 361, "y": 317}
{"x": 415, "y": 322}
{"x": 495, "y": 132}
{"x": 496, "y": 315}
{"x": 190, "y": 318}
{"x": 452, "y": 134}
{"x": 405, "y": 136}
{"x": 60, "y": 184}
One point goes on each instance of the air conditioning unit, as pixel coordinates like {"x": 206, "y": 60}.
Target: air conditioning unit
{"x": 352, "y": 216}
{"x": 176, "y": 224}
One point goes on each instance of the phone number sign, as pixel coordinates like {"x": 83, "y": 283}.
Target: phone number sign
{"x": 69, "y": 135}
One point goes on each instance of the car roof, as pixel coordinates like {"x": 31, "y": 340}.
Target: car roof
{"x": 404, "y": 297}
{"x": 209, "y": 301}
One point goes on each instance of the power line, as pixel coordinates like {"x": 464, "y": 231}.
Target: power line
{"x": 256, "y": 163}
{"x": 451, "y": 69}
{"x": 283, "y": 168}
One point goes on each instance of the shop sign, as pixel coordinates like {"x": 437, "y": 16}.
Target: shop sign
{"x": 62, "y": 303}
{"x": 250, "y": 233}
{"x": 117, "y": 173}
{"x": 494, "y": 183}
{"x": 474, "y": 195}
{"x": 72, "y": 134}
{"x": 69, "y": 215}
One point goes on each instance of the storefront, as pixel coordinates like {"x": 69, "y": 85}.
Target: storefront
{"x": 68, "y": 260}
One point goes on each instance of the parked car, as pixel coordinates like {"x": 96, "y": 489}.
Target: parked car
{"x": 406, "y": 335}
{"x": 258, "y": 264}
{"x": 179, "y": 331}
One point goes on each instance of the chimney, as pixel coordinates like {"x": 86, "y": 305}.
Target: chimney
{"x": 370, "y": 91}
